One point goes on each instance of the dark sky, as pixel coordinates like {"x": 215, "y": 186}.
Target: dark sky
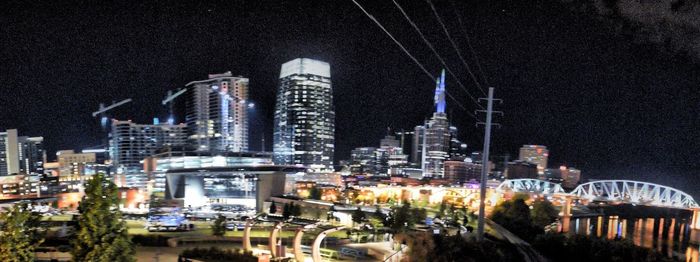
{"x": 602, "y": 85}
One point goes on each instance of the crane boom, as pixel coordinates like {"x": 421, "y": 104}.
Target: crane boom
{"x": 103, "y": 109}
{"x": 172, "y": 96}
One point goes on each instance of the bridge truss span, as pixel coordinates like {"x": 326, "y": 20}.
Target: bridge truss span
{"x": 635, "y": 192}
{"x": 531, "y": 186}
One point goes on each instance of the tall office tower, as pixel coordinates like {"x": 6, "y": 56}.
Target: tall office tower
{"x": 432, "y": 141}
{"x": 458, "y": 149}
{"x": 217, "y": 118}
{"x": 131, "y": 143}
{"x": 535, "y": 154}
{"x": 304, "y": 117}
{"x": 9, "y": 152}
{"x": 31, "y": 155}
{"x": 390, "y": 154}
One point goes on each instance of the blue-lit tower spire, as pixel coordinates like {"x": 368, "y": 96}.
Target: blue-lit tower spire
{"x": 440, "y": 93}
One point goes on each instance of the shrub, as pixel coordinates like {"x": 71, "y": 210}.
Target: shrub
{"x": 150, "y": 240}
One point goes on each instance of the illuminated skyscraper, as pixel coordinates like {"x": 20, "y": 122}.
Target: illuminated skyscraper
{"x": 9, "y": 153}
{"x": 21, "y": 154}
{"x": 432, "y": 140}
{"x": 217, "y": 118}
{"x": 31, "y": 155}
{"x": 535, "y": 154}
{"x": 304, "y": 116}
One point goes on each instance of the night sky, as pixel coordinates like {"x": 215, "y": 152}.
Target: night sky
{"x": 610, "y": 87}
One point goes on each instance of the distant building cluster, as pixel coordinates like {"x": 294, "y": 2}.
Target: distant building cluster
{"x": 206, "y": 158}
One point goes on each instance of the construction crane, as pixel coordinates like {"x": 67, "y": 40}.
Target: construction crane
{"x": 169, "y": 99}
{"x": 102, "y": 110}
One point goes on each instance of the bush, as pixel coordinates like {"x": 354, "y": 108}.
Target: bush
{"x": 214, "y": 254}
{"x": 558, "y": 247}
{"x": 424, "y": 246}
{"x": 150, "y": 240}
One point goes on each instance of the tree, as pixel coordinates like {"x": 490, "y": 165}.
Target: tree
{"x": 315, "y": 193}
{"x": 19, "y": 233}
{"x": 420, "y": 245}
{"x": 273, "y": 208}
{"x": 543, "y": 213}
{"x": 358, "y": 216}
{"x": 295, "y": 209}
{"x": 219, "y": 226}
{"x": 419, "y": 214}
{"x": 286, "y": 211}
{"x": 330, "y": 213}
{"x": 514, "y": 215}
{"x": 443, "y": 206}
{"x": 101, "y": 232}
{"x": 291, "y": 210}
{"x": 452, "y": 211}
{"x": 400, "y": 218}
{"x": 378, "y": 214}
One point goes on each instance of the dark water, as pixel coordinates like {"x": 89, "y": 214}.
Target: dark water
{"x": 669, "y": 236}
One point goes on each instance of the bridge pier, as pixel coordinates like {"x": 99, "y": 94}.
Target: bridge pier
{"x": 696, "y": 219}
{"x": 565, "y": 215}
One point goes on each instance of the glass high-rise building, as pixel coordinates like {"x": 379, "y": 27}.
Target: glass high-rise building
{"x": 21, "y": 154}
{"x": 304, "y": 115}
{"x": 31, "y": 155}
{"x": 217, "y": 118}
{"x": 131, "y": 143}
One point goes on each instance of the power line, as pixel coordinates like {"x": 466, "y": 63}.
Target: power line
{"x": 464, "y": 31}
{"x": 409, "y": 55}
{"x": 454, "y": 46}
{"x": 435, "y": 52}
{"x": 395, "y": 41}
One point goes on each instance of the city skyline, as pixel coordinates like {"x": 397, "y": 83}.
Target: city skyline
{"x": 596, "y": 129}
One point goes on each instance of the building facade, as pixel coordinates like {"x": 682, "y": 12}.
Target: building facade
{"x": 521, "y": 169}
{"x": 21, "y": 154}
{"x": 217, "y": 117}
{"x": 32, "y": 155}
{"x": 131, "y": 143}
{"x": 535, "y": 154}
{"x": 433, "y": 141}
{"x": 9, "y": 153}
{"x": 304, "y": 115}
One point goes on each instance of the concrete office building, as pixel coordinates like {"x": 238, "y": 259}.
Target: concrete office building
{"x": 9, "y": 153}
{"x": 32, "y": 155}
{"x": 535, "y": 154}
{"x": 217, "y": 118}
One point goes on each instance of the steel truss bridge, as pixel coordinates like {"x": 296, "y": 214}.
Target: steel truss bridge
{"x": 625, "y": 191}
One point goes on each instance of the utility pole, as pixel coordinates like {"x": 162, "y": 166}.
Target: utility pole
{"x": 484, "y": 164}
